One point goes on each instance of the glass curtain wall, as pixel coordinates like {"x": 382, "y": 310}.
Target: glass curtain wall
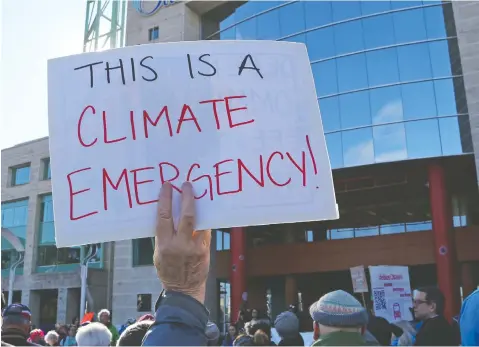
{"x": 387, "y": 73}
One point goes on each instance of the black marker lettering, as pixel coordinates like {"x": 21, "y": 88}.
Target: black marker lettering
{"x": 149, "y": 68}
{"x": 207, "y": 63}
{"x": 243, "y": 66}
{"x": 91, "y": 70}
{"x": 108, "y": 68}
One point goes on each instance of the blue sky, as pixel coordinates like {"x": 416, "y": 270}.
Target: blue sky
{"x": 31, "y": 32}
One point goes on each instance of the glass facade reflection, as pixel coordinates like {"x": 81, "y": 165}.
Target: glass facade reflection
{"x": 387, "y": 77}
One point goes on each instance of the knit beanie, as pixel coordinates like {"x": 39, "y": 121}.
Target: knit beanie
{"x": 212, "y": 333}
{"x": 287, "y": 324}
{"x": 339, "y": 309}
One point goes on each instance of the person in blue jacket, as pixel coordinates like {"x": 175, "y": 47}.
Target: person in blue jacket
{"x": 182, "y": 260}
{"x": 469, "y": 320}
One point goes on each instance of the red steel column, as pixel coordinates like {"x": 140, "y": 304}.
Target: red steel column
{"x": 238, "y": 270}
{"x": 444, "y": 245}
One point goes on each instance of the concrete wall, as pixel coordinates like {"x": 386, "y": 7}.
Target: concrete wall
{"x": 466, "y": 17}
{"x": 67, "y": 283}
{"x": 129, "y": 281}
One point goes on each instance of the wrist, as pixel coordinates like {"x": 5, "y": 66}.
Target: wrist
{"x": 197, "y": 293}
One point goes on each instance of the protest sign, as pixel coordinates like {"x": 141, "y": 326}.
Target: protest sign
{"x": 358, "y": 276}
{"x": 391, "y": 292}
{"x": 239, "y": 119}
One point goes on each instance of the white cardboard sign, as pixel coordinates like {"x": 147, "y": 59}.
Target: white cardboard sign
{"x": 358, "y": 276}
{"x": 239, "y": 119}
{"x": 391, "y": 291}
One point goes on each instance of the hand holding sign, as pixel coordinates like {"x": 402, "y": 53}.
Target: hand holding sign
{"x": 182, "y": 257}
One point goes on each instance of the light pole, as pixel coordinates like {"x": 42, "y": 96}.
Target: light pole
{"x": 83, "y": 275}
{"x": 17, "y": 244}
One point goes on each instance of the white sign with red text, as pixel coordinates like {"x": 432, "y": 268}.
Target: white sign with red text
{"x": 391, "y": 292}
{"x": 239, "y": 119}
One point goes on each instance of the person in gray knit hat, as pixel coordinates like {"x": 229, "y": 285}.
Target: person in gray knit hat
{"x": 339, "y": 320}
{"x": 287, "y": 327}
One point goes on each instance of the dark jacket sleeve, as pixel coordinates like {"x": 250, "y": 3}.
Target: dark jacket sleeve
{"x": 435, "y": 332}
{"x": 180, "y": 321}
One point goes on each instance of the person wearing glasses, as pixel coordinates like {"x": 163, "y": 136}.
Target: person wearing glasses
{"x": 429, "y": 308}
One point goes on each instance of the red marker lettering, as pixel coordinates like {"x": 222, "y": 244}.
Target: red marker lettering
{"x": 80, "y": 120}
{"x": 72, "y": 193}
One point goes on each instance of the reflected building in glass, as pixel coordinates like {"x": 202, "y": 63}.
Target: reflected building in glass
{"x": 397, "y": 85}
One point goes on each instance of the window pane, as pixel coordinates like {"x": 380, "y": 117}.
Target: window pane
{"x": 348, "y": 37}
{"x": 317, "y": 13}
{"x": 47, "y": 207}
{"x": 268, "y": 26}
{"x": 292, "y": 18}
{"x": 358, "y": 147}
{"x": 266, "y": 5}
{"x": 47, "y": 233}
{"x": 395, "y": 5}
{"x": 414, "y": 62}
{"x": 371, "y": 7}
{"x": 445, "y": 97}
{"x": 378, "y": 31}
{"x": 382, "y": 67}
{"x": 440, "y": 61}
{"x": 247, "y": 10}
{"x": 409, "y": 25}
{"x": 47, "y": 255}
{"x": 219, "y": 240}
{"x": 450, "y": 136}
{"x": 330, "y": 113}
{"x": 335, "y": 150}
{"x": 423, "y": 139}
{"x": 419, "y": 100}
{"x": 392, "y": 229}
{"x": 386, "y": 105}
{"x": 226, "y": 240}
{"x": 325, "y": 77}
{"x": 352, "y": 72}
{"x": 21, "y": 175}
{"x": 229, "y": 34}
{"x": 143, "y": 251}
{"x": 68, "y": 255}
{"x": 355, "y": 110}
{"x": 320, "y": 44}
{"x": 246, "y": 30}
{"x": 364, "y": 232}
{"x": 390, "y": 142}
{"x": 296, "y": 38}
{"x": 20, "y": 216}
{"x": 8, "y": 217}
{"x": 339, "y": 234}
{"x": 46, "y": 169}
{"x": 346, "y": 10}
{"x": 418, "y": 226}
{"x": 435, "y": 24}
{"x": 228, "y": 21}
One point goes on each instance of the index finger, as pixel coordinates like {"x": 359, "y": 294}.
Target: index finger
{"x": 164, "y": 224}
{"x": 188, "y": 212}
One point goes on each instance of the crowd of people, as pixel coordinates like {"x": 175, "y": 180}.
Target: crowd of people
{"x": 182, "y": 260}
